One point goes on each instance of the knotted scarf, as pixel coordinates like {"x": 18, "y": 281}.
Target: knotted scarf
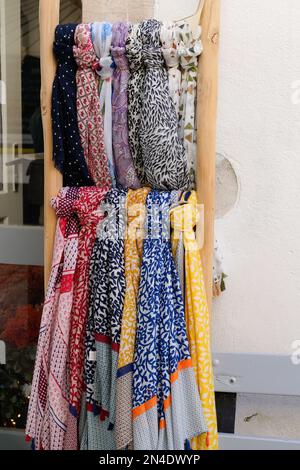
{"x": 89, "y": 217}
{"x": 162, "y": 149}
{"x": 166, "y": 404}
{"x": 107, "y": 290}
{"x": 189, "y": 49}
{"x": 47, "y": 419}
{"x": 88, "y": 107}
{"x": 183, "y": 219}
{"x": 101, "y": 35}
{"x": 136, "y": 213}
{"x": 67, "y": 151}
{"x": 169, "y": 37}
{"x": 135, "y": 98}
{"x": 125, "y": 171}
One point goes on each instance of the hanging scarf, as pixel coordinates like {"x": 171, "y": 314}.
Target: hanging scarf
{"x": 47, "y": 418}
{"x": 183, "y": 219}
{"x": 67, "y": 151}
{"x": 135, "y": 98}
{"x": 89, "y": 217}
{"x": 107, "y": 290}
{"x": 166, "y": 405}
{"x": 169, "y": 37}
{"x": 136, "y": 213}
{"x": 88, "y": 107}
{"x": 163, "y": 152}
{"x": 101, "y": 35}
{"x": 189, "y": 50}
{"x": 125, "y": 171}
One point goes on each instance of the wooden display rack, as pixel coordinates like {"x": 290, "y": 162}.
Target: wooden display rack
{"x": 208, "y": 14}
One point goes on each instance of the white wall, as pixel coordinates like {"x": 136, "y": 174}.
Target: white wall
{"x": 259, "y": 131}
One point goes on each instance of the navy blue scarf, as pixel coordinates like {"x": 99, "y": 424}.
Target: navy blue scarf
{"x": 67, "y": 151}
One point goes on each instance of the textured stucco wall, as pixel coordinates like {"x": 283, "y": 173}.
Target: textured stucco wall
{"x": 259, "y": 132}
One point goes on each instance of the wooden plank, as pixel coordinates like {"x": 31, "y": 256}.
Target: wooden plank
{"x": 206, "y": 131}
{"x": 49, "y": 18}
{"x": 256, "y": 373}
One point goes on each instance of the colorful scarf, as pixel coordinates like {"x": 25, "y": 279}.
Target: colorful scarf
{"x": 166, "y": 404}
{"x": 136, "y": 213}
{"x": 189, "y": 49}
{"x": 169, "y": 37}
{"x": 102, "y": 35}
{"x": 67, "y": 151}
{"x": 135, "y": 98}
{"x": 126, "y": 174}
{"x": 163, "y": 152}
{"x": 48, "y": 417}
{"x": 89, "y": 217}
{"x": 107, "y": 290}
{"x": 184, "y": 219}
{"x": 88, "y": 107}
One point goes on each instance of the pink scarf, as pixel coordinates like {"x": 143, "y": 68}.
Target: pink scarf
{"x": 49, "y": 420}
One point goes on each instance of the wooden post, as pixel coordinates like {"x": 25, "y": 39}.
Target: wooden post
{"x": 49, "y": 18}
{"x": 206, "y": 131}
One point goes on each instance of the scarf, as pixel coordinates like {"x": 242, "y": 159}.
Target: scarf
{"x": 189, "y": 49}
{"x": 135, "y": 98}
{"x": 136, "y": 213}
{"x": 47, "y": 419}
{"x": 162, "y": 149}
{"x": 67, "y": 151}
{"x": 166, "y": 404}
{"x": 169, "y": 37}
{"x": 107, "y": 290}
{"x": 102, "y": 35}
{"x": 183, "y": 219}
{"x": 125, "y": 171}
{"x": 88, "y": 107}
{"x": 86, "y": 208}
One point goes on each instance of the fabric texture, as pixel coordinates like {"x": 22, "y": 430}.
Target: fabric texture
{"x": 89, "y": 216}
{"x": 189, "y": 50}
{"x": 135, "y": 98}
{"x": 134, "y": 239}
{"x": 107, "y": 291}
{"x": 184, "y": 219}
{"x": 166, "y": 404}
{"x": 88, "y": 107}
{"x": 102, "y": 35}
{"x": 125, "y": 171}
{"x": 169, "y": 37}
{"x": 48, "y": 416}
{"x": 67, "y": 151}
{"x": 163, "y": 153}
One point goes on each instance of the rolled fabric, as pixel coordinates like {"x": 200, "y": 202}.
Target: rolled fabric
{"x": 67, "y": 150}
{"x": 164, "y": 159}
{"x": 48, "y": 419}
{"x": 134, "y": 239}
{"x": 190, "y": 48}
{"x": 135, "y": 97}
{"x": 107, "y": 290}
{"x": 169, "y": 37}
{"x": 101, "y": 36}
{"x": 88, "y": 107}
{"x": 166, "y": 404}
{"x": 86, "y": 208}
{"x": 125, "y": 171}
{"x": 183, "y": 220}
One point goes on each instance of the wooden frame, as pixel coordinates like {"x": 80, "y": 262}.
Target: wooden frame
{"x": 206, "y": 124}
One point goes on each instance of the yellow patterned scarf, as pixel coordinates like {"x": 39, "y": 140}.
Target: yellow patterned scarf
{"x": 136, "y": 212}
{"x": 183, "y": 219}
